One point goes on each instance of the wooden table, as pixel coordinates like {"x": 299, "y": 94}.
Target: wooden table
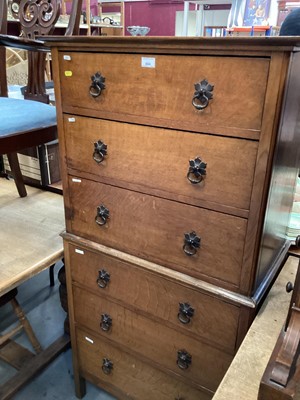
{"x": 30, "y": 243}
{"x": 29, "y": 233}
{"x": 243, "y": 377}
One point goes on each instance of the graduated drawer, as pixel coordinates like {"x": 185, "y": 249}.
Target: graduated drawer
{"x": 163, "y": 94}
{"x": 159, "y": 159}
{"x": 159, "y": 230}
{"x": 202, "y": 364}
{"x": 129, "y": 377}
{"x": 211, "y": 319}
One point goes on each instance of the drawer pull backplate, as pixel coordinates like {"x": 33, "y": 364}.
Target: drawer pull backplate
{"x": 202, "y": 95}
{"x": 106, "y": 322}
{"x": 107, "y": 366}
{"x": 185, "y": 313}
{"x": 100, "y": 151}
{"x": 184, "y": 359}
{"x": 103, "y": 278}
{"x": 102, "y": 215}
{"x": 97, "y": 84}
{"x": 191, "y": 243}
{"x": 197, "y": 170}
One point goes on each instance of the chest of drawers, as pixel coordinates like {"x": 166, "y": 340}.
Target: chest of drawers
{"x": 179, "y": 161}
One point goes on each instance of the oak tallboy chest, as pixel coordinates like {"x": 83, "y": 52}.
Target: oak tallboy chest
{"x": 179, "y": 164}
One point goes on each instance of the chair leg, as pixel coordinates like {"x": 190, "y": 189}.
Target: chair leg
{"x": 16, "y": 172}
{"x": 26, "y": 325}
{"x": 51, "y": 274}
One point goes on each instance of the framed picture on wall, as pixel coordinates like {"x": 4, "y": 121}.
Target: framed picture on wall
{"x": 256, "y": 12}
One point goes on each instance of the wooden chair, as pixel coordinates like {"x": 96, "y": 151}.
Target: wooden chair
{"x": 32, "y": 121}
{"x": 26, "y": 123}
{"x": 281, "y": 377}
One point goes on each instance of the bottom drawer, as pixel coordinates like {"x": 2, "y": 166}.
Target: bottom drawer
{"x": 169, "y": 348}
{"x": 129, "y": 378}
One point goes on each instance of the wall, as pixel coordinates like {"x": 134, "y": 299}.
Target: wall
{"x": 211, "y": 17}
{"x": 159, "y": 17}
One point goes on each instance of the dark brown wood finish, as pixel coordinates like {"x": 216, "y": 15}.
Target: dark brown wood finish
{"x": 177, "y": 45}
{"x": 270, "y": 390}
{"x": 34, "y": 21}
{"x": 150, "y": 131}
{"x": 280, "y": 380}
{"x": 261, "y": 185}
{"x": 18, "y": 142}
{"x": 38, "y": 26}
{"x": 3, "y": 30}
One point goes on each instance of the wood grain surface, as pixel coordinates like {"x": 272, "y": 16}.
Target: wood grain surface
{"x": 155, "y": 342}
{"x": 165, "y": 92}
{"x": 243, "y": 377}
{"x": 214, "y": 320}
{"x": 153, "y": 228}
{"x": 130, "y": 374}
{"x": 133, "y": 158}
{"x": 29, "y": 234}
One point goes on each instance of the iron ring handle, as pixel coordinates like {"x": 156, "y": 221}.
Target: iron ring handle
{"x": 184, "y": 319}
{"x": 103, "y": 278}
{"x": 186, "y": 312}
{"x": 95, "y": 90}
{"x": 98, "y": 84}
{"x": 191, "y": 243}
{"x": 101, "y": 283}
{"x": 98, "y": 157}
{"x": 100, "y": 220}
{"x": 106, "y": 322}
{"x": 100, "y": 151}
{"x": 203, "y": 104}
{"x": 184, "y": 359}
{"x": 102, "y": 215}
{"x": 182, "y": 365}
{"x": 189, "y": 250}
{"x": 193, "y": 180}
{"x": 197, "y": 170}
{"x": 107, "y": 366}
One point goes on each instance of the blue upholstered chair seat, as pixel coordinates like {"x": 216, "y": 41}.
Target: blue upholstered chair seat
{"x": 24, "y": 115}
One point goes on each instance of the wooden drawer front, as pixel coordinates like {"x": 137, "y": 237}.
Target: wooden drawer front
{"x": 151, "y": 339}
{"x": 213, "y": 319}
{"x": 134, "y": 378}
{"x": 158, "y": 159}
{"x": 163, "y": 95}
{"x": 154, "y": 229}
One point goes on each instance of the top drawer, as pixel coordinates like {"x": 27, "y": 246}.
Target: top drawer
{"x": 159, "y": 90}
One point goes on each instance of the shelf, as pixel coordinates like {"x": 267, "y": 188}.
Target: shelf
{"x": 112, "y": 30}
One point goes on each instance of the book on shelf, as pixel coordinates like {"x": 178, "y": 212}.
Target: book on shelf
{"x": 214, "y": 31}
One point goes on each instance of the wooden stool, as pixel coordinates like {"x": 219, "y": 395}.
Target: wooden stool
{"x": 10, "y": 297}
